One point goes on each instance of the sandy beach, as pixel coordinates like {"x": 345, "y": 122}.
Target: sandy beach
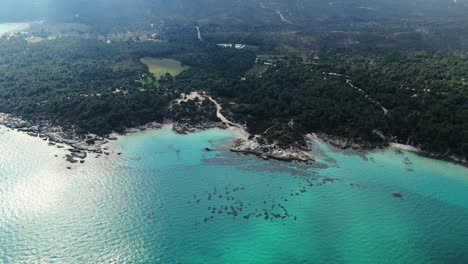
{"x": 6, "y": 28}
{"x": 404, "y": 147}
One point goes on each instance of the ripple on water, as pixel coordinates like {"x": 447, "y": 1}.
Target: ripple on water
{"x": 150, "y": 204}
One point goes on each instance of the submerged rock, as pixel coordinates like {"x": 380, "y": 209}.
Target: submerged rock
{"x": 80, "y": 155}
{"x": 69, "y": 158}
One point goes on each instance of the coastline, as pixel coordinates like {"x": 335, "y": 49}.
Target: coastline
{"x": 81, "y": 146}
{"x": 15, "y": 27}
{"x": 348, "y": 143}
{"x": 404, "y": 147}
{"x": 247, "y": 143}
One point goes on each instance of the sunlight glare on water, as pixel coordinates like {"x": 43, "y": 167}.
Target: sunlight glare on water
{"x": 167, "y": 200}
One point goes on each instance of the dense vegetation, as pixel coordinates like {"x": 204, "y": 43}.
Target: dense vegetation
{"x": 425, "y": 91}
{"x": 100, "y": 87}
{"x": 425, "y": 94}
{"x": 97, "y": 86}
{"x": 78, "y": 82}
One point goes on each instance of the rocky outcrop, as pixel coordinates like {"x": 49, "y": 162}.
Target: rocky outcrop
{"x": 258, "y": 146}
{"x": 350, "y": 143}
{"x": 148, "y": 126}
{"x": 80, "y": 145}
{"x": 186, "y": 127}
{"x": 57, "y": 136}
{"x": 446, "y": 156}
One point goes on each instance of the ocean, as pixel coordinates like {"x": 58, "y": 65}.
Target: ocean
{"x": 160, "y": 197}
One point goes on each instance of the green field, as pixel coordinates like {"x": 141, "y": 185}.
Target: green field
{"x": 33, "y": 40}
{"x": 160, "y": 66}
{"x": 257, "y": 70}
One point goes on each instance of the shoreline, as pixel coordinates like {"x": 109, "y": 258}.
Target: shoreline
{"x": 15, "y": 27}
{"x": 347, "y": 143}
{"x": 247, "y": 143}
{"x": 81, "y": 146}
{"x": 404, "y": 147}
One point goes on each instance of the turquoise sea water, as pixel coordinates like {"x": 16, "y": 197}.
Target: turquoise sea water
{"x": 154, "y": 204}
{"x": 12, "y": 27}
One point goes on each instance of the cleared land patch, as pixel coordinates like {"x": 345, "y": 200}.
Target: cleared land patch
{"x": 257, "y": 70}
{"x": 33, "y": 39}
{"x": 160, "y": 66}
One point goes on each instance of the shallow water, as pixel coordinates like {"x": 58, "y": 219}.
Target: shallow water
{"x": 12, "y": 27}
{"x": 154, "y": 204}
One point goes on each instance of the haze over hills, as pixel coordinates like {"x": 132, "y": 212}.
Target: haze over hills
{"x": 294, "y": 24}
{"x": 299, "y": 10}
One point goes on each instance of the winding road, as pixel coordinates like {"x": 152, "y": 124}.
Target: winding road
{"x": 349, "y": 82}
{"x": 202, "y": 96}
{"x": 199, "y": 34}
{"x": 221, "y": 116}
{"x": 278, "y": 12}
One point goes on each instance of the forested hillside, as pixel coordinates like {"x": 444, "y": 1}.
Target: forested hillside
{"x": 287, "y": 25}
{"x": 98, "y": 86}
{"x": 414, "y": 97}
{"x": 418, "y": 98}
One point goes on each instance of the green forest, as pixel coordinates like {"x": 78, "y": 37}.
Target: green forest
{"x": 97, "y": 87}
{"x": 424, "y": 93}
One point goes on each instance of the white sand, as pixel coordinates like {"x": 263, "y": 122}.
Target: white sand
{"x": 404, "y": 147}
{"x": 6, "y": 28}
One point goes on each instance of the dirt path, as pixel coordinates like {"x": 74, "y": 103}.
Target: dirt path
{"x": 282, "y": 17}
{"x": 202, "y": 96}
{"x": 220, "y": 115}
{"x": 349, "y": 82}
{"x": 278, "y": 12}
{"x": 199, "y": 34}
{"x": 385, "y": 110}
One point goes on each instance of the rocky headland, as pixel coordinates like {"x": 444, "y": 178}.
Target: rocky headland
{"x": 260, "y": 147}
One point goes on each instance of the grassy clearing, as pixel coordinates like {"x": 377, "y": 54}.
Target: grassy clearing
{"x": 257, "y": 70}
{"x": 160, "y": 66}
{"x": 270, "y": 58}
{"x": 33, "y": 40}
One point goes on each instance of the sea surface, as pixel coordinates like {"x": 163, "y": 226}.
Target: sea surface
{"x": 165, "y": 199}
